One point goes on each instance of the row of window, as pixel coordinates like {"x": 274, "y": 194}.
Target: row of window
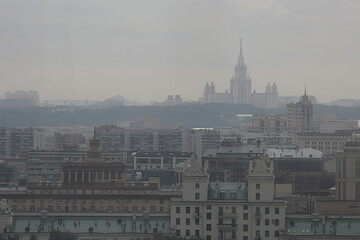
{"x": 209, "y": 237}
{"x": 91, "y": 208}
{"x": 84, "y": 192}
{"x": 326, "y": 143}
{"x": 221, "y": 210}
{"x": 161, "y": 201}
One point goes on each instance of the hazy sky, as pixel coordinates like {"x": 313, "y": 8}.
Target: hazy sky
{"x": 148, "y": 49}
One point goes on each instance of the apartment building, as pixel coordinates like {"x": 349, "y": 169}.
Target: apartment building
{"x": 220, "y": 210}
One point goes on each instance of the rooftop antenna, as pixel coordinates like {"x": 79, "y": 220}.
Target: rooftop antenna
{"x": 240, "y": 46}
{"x": 305, "y": 90}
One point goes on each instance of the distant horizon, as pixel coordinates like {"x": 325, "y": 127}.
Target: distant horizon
{"x": 154, "y": 101}
{"x": 147, "y": 50}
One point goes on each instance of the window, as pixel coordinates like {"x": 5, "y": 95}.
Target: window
{"x": 197, "y": 221}
{"x": 245, "y": 228}
{"x": 233, "y": 222}
{"x": 208, "y": 237}
{"x": 178, "y": 233}
{"x": 245, "y": 238}
{"x": 208, "y": 215}
{"x": 197, "y": 185}
{"x": 208, "y": 227}
{"x": 277, "y": 222}
{"x": 267, "y": 234}
{"x": 267, "y": 210}
{"x": 233, "y": 234}
{"x": 177, "y": 209}
{"x": 233, "y": 210}
{"x": 187, "y": 209}
{"x": 187, "y": 221}
{"x": 208, "y": 207}
{"x": 276, "y": 233}
{"x": 277, "y": 210}
{"x": 197, "y": 233}
{"x": 245, "y": 207}
{"x": 245, "y": 216}
{"x": 221, "y": 211}
{"x": 221, "y": 221}
{"x": 187, "y": 232}
{"x": 267, "y": 222}
{"x": 197, "y": 196}
{"x": 257, "y": 211}
{"x": 257, "y": 196}
{"x": 258, "y": 222}
{"x": 257, "y": 186}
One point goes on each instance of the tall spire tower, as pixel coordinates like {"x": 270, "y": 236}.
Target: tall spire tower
{"x": 240, "y": 83}
{"x": 241, "y": 46}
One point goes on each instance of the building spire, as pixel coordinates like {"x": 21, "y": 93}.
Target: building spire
{"x": 305, "y": 91}
{"x": 240, "y": 46}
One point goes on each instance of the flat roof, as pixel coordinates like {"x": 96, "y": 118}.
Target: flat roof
{"x": 96, "y": 224}
{"x": 322, "y": 225}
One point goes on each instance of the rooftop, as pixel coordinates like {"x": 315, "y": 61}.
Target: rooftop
{"x": 227, "y": 191}
{"x": 315, "y": 225}
{"x": 293, "y": 153}
{"x": 94, "y": 224}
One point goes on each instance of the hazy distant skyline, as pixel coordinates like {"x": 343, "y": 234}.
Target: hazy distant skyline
{"x": 145, "y": 50}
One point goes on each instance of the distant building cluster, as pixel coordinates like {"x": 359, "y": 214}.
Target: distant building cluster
{"x": 114, "y": 138}
{"x": 240, "y": 90}
{"x": 173, "y": 100}
{"x": 20, "y": 99}
{"x": 346, "y": 103}
{"x": 285, "y": 177}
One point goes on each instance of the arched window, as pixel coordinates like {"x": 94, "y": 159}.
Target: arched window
{"x": 197, "y": 185}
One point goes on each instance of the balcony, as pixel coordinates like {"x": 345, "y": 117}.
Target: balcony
{"x": 257, "y": 215}
{"x": 225, "y": 226}
{"x": 228, "y": 215}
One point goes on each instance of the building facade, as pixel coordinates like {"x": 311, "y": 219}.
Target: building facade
{"x": 299, "y": 116}
{"x": 218, "y": 210}
{"x": 268, "y": 123}
{"x": 266, "y": 100}
{"x": 329, "y": 143}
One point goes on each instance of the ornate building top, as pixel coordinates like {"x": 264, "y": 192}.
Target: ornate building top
{"x": 194, "y": 166}
{"x": 258, "y": 167}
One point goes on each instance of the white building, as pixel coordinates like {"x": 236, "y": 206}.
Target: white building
{"x": 220, "y": 210}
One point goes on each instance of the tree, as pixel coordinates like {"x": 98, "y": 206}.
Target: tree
{"x": 33, "y": 237}
{"x": 58, "y": 235}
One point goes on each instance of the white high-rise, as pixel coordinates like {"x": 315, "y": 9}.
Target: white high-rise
{"x": 240, "y": 83}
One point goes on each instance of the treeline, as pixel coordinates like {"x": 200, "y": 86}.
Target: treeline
{"x": 188, "y": 116}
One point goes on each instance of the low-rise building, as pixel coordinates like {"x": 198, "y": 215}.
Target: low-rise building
{"x": 92, "y": 185}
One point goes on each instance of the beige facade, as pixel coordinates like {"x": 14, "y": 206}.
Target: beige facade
{"x": 268, "y": 123}
{"x": 348, "y": 170}
{"x": 330, "y": 143}
{"x": 299, "y": 116}
{"x": 228, "y": 210}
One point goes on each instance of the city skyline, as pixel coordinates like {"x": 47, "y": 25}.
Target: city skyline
{"x": 146, "y": 51}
